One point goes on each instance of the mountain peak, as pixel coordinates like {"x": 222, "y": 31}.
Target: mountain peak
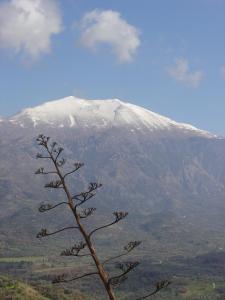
{"x": 76, "y": 112}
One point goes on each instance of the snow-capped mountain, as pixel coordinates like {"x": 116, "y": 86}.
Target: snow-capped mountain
{"x": 169, "y": 176}
{"x": 75, "y": 112}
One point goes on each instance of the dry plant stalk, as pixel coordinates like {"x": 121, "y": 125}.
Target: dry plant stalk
{"x": 52, "y": 152}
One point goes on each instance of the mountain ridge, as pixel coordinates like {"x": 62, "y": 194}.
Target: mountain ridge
{"x": 172, "y": 182}
{"x": 76, "y": 112}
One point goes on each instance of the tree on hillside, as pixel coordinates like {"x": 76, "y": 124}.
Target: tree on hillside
{"x": 75, "y": 202}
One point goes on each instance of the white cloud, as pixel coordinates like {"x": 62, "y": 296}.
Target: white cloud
{"x": 108, "y": 27}
{"x": 26, "y": 26}
{"x": 182, "y": 73}
{"x": 222, "y": 71}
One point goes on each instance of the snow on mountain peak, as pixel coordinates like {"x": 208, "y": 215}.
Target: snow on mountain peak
{"x": 76, "y": 112}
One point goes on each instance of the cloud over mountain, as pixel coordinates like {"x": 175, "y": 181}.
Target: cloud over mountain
{"x": 181, "y": 72}
{"x": 222, "y": 71}
{"x": 26, "y": 26}
{"x": 108, "y": 27}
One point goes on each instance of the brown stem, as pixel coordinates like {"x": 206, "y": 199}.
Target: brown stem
{"x": 102, "y": 273}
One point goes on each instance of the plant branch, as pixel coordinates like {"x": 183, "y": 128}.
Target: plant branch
{"x": 77, "y": 165}
{"x": 119, "y": 216}
{"x": 41, "y": 171}
{"x": 54, "y": 184}
{"x": 46, "y": 207}
{"x": 75, "y": 250}
{"x": 58, "y": 152}
{"x": 86, "y": 212}
{"x": 126, "y": 268}
{"x": 39, "y": 155}
{"x": 87, "y": 195}
{"x": 159, "y": 286}
{"x": 44, "y": 232}
{"x": 61, "y": 278}
{"x": 128, "y": 248}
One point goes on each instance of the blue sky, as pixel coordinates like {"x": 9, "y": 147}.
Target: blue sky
{"x": 168, "y": 56}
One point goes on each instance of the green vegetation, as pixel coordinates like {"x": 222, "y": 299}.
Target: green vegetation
{"x": 12, "y": 289}
{"x": 22, "y": 259}
{"x": 199, "y": 278}
{"x": 16, "y": 290}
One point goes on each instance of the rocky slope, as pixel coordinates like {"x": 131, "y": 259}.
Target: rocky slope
{"x": 169, "y": 176}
